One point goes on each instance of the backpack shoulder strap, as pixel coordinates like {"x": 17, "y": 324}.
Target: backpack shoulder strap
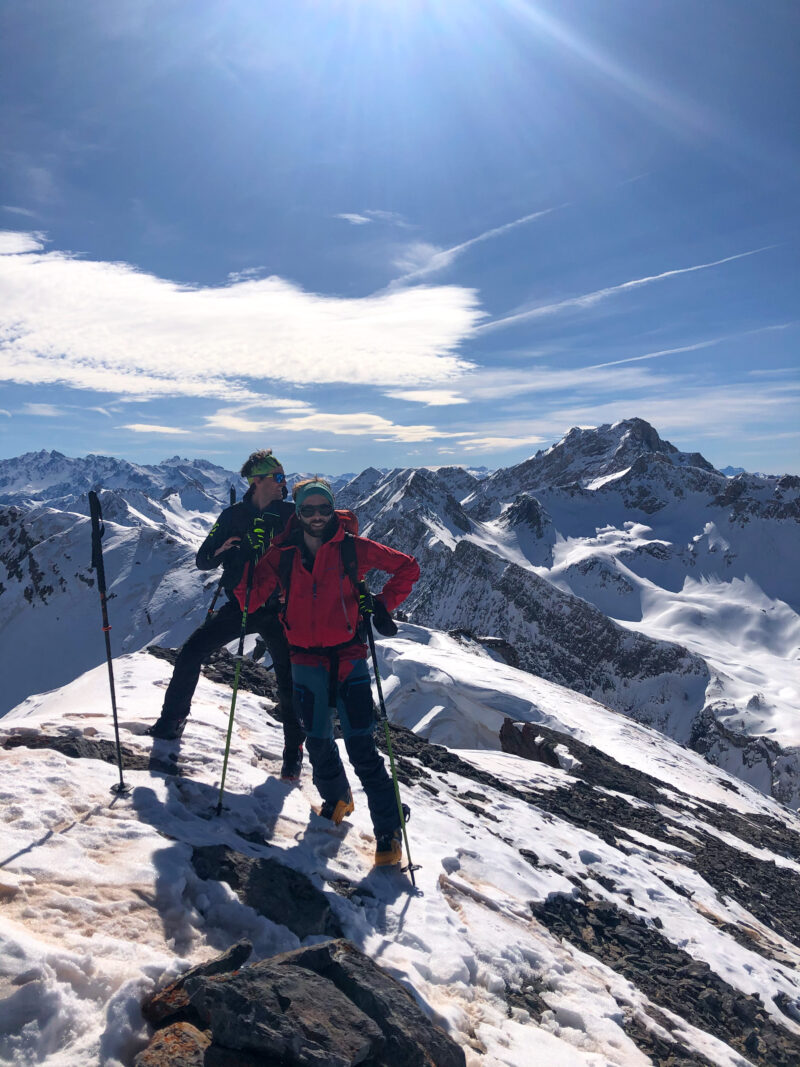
{"x": 285, "y": 573}
{"x": 350, "y": 559}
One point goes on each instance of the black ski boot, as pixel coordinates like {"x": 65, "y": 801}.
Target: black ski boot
{"x": 292, "y": 764}
{"x": 167, "y": 729}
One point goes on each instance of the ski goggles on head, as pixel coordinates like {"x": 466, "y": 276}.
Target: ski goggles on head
{"x": 309, "y": 510}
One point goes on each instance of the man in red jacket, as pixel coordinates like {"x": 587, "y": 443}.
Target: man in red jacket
{"x": 328, "y": 654}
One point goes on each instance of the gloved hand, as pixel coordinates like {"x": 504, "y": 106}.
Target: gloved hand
{"x": 382, "y": 619}
{"x": 366, "y": 602}
{"x": 256, "y": 541}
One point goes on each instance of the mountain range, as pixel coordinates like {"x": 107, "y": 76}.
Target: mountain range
{"x": 612, "y": 563}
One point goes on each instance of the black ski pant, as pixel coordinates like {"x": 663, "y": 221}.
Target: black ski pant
{"x": 220, "y": 629}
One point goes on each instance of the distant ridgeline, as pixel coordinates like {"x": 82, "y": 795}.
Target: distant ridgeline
{"x": 611, "y": 563}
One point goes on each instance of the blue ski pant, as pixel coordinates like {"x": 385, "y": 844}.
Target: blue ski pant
{"x": 357, "y": 720}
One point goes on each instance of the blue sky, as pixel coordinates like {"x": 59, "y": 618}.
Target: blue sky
{"x": 398, "y": 231}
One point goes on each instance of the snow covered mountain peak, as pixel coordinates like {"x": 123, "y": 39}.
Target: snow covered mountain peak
{"x": 588, "y": 457}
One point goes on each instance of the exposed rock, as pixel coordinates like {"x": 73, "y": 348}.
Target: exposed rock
{"x": 178, "y": 1045}
{"x": 713, "y": 740}
{"x": 221, "y": 667}
{"x": 530, "y": 744}
{"x": 412, "y": 1040}
{"x": 279, "y": 893}
{"x": 172, "y": 1001}
{"x": 327, "y": 1005}
{"x": 288, "y": 1013}
{"x": 76, "y": 746}
{"x": 670, "y": 977}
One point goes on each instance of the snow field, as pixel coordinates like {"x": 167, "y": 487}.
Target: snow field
{"x": 99, "y": 902}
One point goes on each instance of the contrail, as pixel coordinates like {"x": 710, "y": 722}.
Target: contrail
{"x": 590, "y": 299}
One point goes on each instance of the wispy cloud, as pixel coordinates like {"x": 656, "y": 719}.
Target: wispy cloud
{"x": 372, "y": 215}
{"x": 710, "y": 343}
{"x": 433, "y": 398}
{"x": 353, "y": 219}
{"x": 504, "y": 383}
{"x": 499, "y": 444}
{"x": 46, "y": 411}
{"x": 111, "y": 328}
{"x": 420, "y": 259}
{"x": 6, "y": 413}
{"x": 14, "y": 210}
{"x": 146, "y": 427}
{"x": 354, "y": 424}
{"x": 587, "y": 300}
{"x": 707, "y": 412}
{"x": 324, "y": 450}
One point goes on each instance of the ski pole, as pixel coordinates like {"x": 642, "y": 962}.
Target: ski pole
{"x": 98, "y": 529}
{"x": 222, "y": 579}
{"x": 239, "y": 657}
{"x": 371, "y": 639}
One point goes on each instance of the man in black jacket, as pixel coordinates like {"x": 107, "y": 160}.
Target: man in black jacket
{"x": 241, "y": 533}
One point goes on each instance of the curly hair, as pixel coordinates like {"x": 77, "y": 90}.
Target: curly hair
{"x": 262, "y": 458}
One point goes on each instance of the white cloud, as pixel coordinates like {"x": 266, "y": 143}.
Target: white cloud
{"x": 47, "y": 411}
{"x": 144, "y": 427}
{"x": 324, "y": 450}
{"x": 355, "y": 424}
{"x": 500, "y": 444}
{"x": 353, "y": 219}
{"x": 6, "y": 413}
{"x": 429, "y": 397}
{"x": 108, "y": 327}
{"x": 17, "y": 242}
{"x": 588, "y": 300}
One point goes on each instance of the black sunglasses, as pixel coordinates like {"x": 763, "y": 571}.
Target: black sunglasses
{"x": 307, "y": 510}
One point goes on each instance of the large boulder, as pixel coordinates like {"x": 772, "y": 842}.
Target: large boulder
{"x": 326, "y": 1005}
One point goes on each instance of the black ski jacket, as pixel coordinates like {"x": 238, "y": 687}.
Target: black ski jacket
{"x": 237, "y": 521}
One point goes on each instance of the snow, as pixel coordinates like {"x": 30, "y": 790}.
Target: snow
{"x": 100, "y": 903}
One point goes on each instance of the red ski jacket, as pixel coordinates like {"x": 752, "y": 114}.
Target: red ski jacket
{"x": 323, "y": 605}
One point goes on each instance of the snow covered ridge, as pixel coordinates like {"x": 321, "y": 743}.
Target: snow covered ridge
{"x": 630, "y": 571}
{"x": 612, "y": 563}
{"x": 611, "y": 900}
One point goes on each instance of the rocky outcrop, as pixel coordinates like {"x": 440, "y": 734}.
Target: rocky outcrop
{"x": 720, "y": 745}
{"x": 326, "y": 1005}
{"x": 671, "y": 979}
{"x": 279, "y": 893}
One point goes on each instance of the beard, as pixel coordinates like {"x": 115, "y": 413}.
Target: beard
{"x": 323, "y": 532}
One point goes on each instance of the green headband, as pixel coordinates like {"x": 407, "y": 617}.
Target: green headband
{"x": 266, "y": 466}
{"x": 312, "y": 489}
